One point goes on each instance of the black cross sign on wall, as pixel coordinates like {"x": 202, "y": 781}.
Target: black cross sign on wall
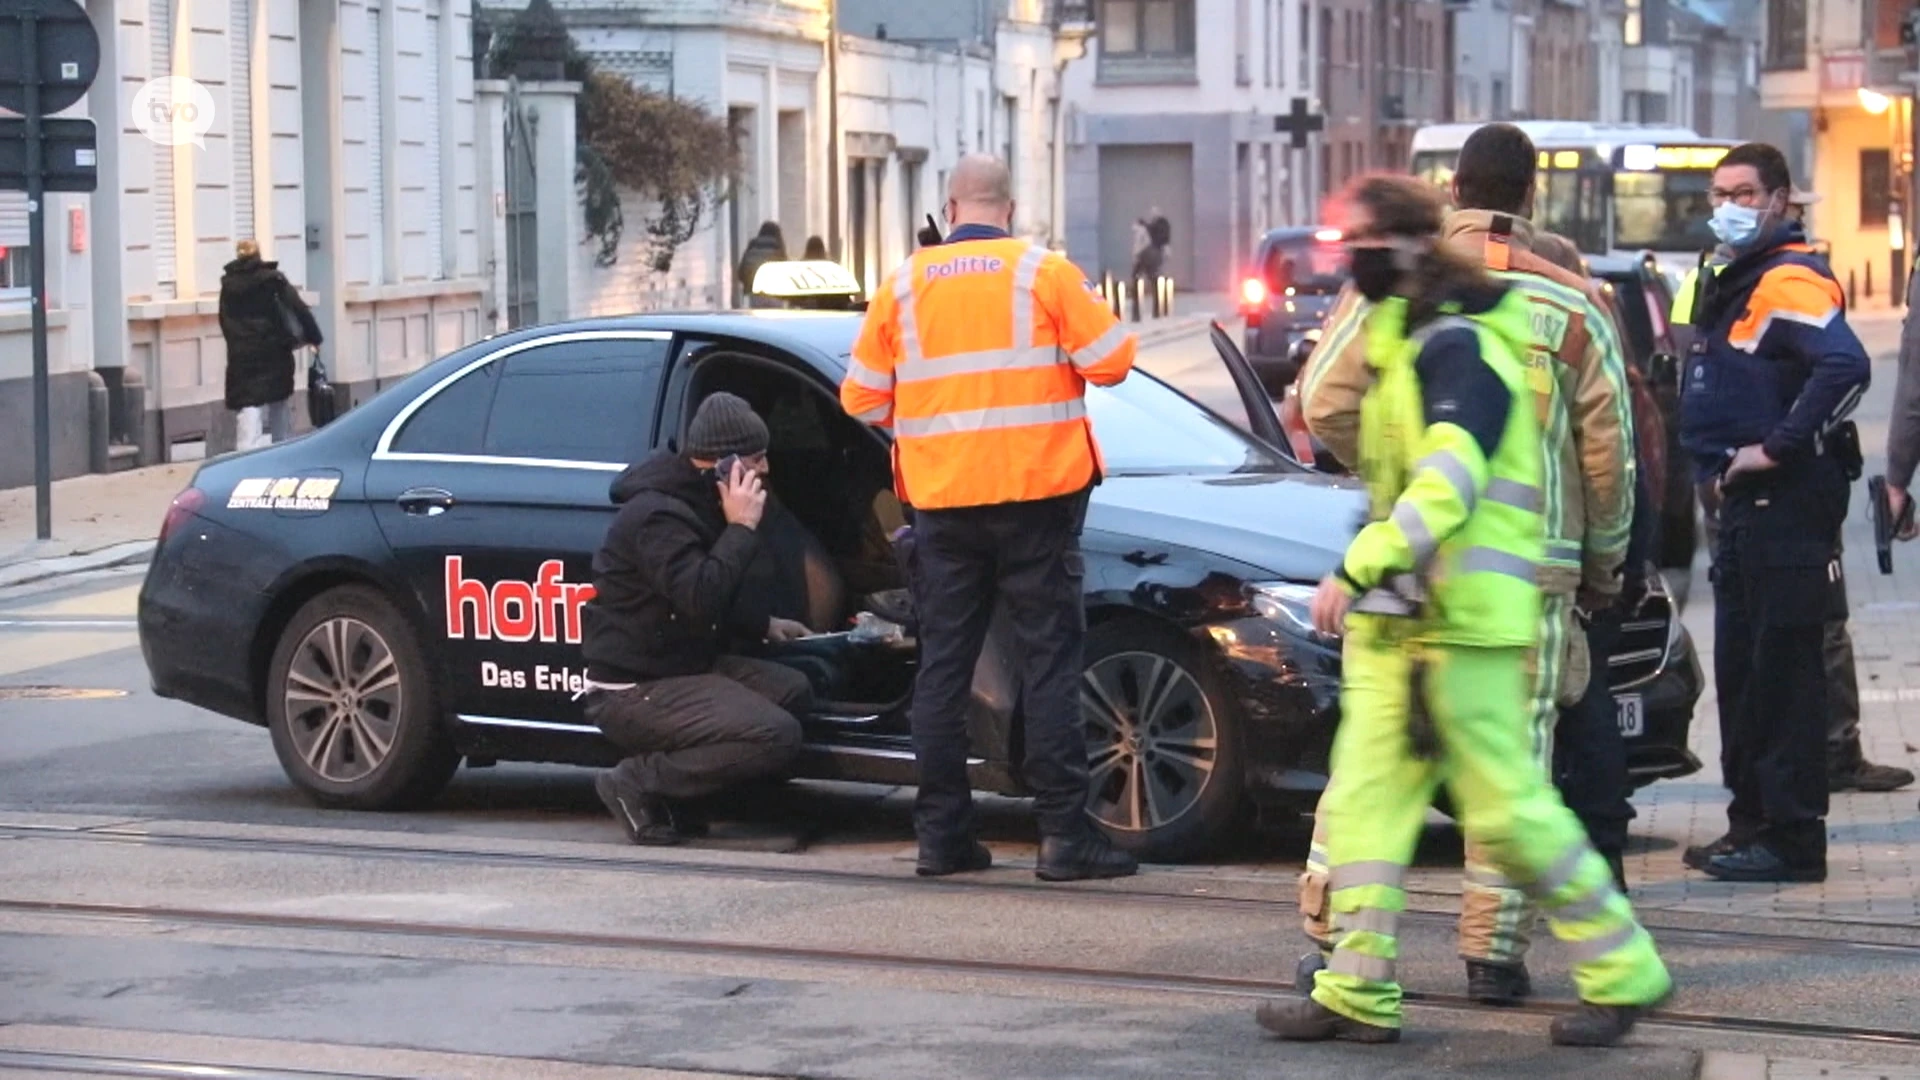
{"x": 1299, "y": 123}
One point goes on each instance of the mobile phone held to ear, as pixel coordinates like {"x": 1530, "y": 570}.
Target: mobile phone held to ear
{"x": 722, "y": 471}
{"x": 930, "y": 236}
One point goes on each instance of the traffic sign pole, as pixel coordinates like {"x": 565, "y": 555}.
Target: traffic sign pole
{"x": 37, "y": 272}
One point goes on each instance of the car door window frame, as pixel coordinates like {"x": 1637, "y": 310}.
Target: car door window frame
{"x": 383, "y": 450}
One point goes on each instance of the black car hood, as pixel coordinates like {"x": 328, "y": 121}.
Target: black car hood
{"x": 1294, "y": 526}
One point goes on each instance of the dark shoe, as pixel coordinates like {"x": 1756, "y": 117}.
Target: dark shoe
{"x": 972, "y": 859}
{"x": 1498, "y": 984}
{"x": 1866, "y": 776}
{"x": 1082, "y": 858}
{"x": 1303, "y": 972}
{"x": 1596, "y": 1025}
{"x": 1306, "y": 1020}
{"x": 1758, "y": 862}
{"x": 647, "y": 819}
{"x": 1698, "y": 857}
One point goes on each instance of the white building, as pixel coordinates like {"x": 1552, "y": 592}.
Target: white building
{"x": 1175, "y": 108}
{"x": 918, "y": 86}
{"x": 342, "y": 140}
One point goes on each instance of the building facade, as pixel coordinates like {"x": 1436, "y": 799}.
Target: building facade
{"x": 1837, "y": 104}
{"x": 315, "y": 105}
{"x": 1385, "y": 73}
{"x": 1174, "y": 110}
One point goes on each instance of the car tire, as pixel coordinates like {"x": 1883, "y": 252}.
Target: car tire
{"x": 1187, "y": 754}
{"x": 373, "y": 740}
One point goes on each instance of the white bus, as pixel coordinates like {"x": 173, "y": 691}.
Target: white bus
{"x": 1610, "y": 188}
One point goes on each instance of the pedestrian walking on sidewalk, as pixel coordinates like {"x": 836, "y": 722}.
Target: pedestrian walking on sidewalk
{"x": 1439, "y": 600}
{"x": 1772, "y": 376}
{"x": 977, "y": 352}
{"x": 263, "y": 321}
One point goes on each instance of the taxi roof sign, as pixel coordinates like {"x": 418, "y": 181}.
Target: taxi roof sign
{"x": 804, "y": 278}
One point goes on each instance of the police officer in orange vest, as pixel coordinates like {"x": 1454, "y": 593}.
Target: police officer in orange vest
{"x": 977, "y": 352}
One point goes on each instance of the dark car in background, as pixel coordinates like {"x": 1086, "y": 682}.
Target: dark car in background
{"x": 1295, "y": 275}
{"x": 1642, "y": 302}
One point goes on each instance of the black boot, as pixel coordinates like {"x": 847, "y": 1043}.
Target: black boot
{"x": 1697, "y": 857}
{"x": 646, "y": 819}
{"x": 1596, "y": 1025}
{"x": 1303, "y": 972}
{"x": 1759, "y": 862}
{"x": 971, "y": 858}
{"x": 1498, "y": 984}
{"x": 1081, "y": 858}
{"x": 1306, "y": 1020}
{"x": 1867, "y": 776}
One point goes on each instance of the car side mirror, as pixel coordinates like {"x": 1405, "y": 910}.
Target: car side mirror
{"x": 1664, "y": 371}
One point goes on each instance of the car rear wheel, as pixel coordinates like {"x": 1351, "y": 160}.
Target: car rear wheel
{"x": 1163, "y": 756}
{"x": 351, "y": 706}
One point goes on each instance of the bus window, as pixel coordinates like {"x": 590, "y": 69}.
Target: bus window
{"x": 1435, "y": 167}
{"x": 1662, "y": 211}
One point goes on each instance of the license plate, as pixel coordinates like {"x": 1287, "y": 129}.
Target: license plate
{"x": 1632, "y": 714}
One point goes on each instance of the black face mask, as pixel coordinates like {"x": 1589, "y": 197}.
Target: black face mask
{"x": 1374, "y": 272}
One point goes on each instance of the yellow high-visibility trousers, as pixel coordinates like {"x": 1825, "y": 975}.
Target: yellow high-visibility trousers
{"x": 1376, "y": 804}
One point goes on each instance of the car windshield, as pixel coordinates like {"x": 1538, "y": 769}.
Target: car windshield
{"x": 1308, "y": 266}
{"x": 1662, "y": 211}
{"x": 1146, "y": 427}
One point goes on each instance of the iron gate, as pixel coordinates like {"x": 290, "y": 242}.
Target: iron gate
{"x": 523, "y": 230}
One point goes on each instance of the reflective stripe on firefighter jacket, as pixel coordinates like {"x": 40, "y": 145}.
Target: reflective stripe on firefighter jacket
{"x": 1466, "y": 527}
{"x": 977, "y": 354}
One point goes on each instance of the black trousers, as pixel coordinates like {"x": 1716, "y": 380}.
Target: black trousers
{"x": 1774, "y": 593}
{"x": 1589, "y": 753}
{"x": 695, "y": 735}
{"x": 1024, "y": 558}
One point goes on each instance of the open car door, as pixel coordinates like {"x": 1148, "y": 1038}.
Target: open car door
{"x": 1281, "y": 425}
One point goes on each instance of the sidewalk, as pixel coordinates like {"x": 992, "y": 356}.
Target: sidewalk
{"x": 98, "y": 521}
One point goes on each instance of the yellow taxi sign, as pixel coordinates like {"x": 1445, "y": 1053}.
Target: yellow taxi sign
{"x": 804, "y": 278}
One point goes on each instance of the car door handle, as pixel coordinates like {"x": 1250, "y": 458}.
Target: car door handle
{"x": 425, "y": 501}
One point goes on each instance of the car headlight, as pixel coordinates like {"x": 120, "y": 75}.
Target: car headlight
{"x": 1286, "y": 602}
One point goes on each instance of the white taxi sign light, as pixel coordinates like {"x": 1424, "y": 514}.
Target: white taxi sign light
{"x": 1647, "y": 158}
{"x": 817, "y": 278}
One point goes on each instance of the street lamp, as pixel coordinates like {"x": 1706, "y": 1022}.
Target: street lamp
{"x": 1874, "y": 102}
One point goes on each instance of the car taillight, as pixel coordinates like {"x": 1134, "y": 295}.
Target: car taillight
{"x": 1253, "y": 293}
{"x": 184, "y": 505}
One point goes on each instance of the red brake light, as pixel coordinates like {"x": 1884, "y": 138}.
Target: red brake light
{"x": 184, "y": 505}
{"x": 1253, "y": 293}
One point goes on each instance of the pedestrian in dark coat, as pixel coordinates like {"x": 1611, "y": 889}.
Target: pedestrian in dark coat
{"x": 263, "y": 320}
{"x": 768, "y": 246}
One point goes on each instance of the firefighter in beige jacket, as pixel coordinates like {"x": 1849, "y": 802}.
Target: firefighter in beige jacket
{"x": 1580, "y": 395}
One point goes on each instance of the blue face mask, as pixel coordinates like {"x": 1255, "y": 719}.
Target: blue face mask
{"x": 1735, "y": 225}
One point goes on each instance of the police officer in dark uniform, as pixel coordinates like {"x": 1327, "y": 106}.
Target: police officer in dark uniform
{"x": 1768, "y": 385}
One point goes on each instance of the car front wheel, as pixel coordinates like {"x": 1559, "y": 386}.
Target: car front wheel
{"x": 1163, "y": 755}
{"x": 351, "y": 706}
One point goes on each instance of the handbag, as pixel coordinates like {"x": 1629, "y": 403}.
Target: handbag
{"x": 322, "y": 406}
{"x": 290, "y": 323}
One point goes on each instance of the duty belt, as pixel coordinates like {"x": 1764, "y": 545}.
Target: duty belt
{"x": 1402, "y": 595}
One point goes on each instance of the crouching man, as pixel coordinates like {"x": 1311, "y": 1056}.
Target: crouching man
{"x": 675, "y": 604}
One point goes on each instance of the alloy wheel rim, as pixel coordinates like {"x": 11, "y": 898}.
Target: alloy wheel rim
{"x": 343, "y": 699}
{"x": 1152, "y": 740}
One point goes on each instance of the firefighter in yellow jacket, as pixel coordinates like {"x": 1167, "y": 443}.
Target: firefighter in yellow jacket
{"x": 1439, "y": 601}
{"x": 1577, "y": 391}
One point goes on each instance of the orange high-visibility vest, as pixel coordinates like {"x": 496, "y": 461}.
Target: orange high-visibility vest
{"x": 977, "y": 354}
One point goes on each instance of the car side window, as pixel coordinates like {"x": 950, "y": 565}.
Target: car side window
{"x": 453, "y": 420}
{"x": 588, "y": 400}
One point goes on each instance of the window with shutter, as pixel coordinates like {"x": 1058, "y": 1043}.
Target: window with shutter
{"x": 240, "y": 114}
{"x": 13, "y": 244}
{"x": 160, "y": 40}
{"x": 434, "y": 158}
{"x": 374, "y": 108}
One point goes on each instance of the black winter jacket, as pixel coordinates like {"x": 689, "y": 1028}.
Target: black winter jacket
{"x": 259, "y": 349}
{"x": 675, "y": 585}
